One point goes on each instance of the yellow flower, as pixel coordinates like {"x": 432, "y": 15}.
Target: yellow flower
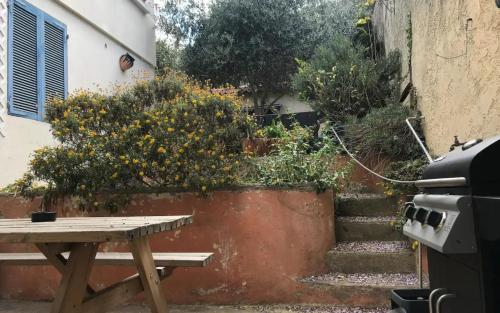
{"x": 219, "y": 114}
{"x": 115, "y": 175}
{"x": 161, "y": 150}
{"x": 181, "y": 150}
{"x": 141, "y": 173}
{"x": 177, "y": 177}
{"x": 204, "y": 188}
{"x": 170, "y": 130}
{"x": 102, "y": 112}
{"x": 135, "y": 161}
{"x": 66, "y": 113}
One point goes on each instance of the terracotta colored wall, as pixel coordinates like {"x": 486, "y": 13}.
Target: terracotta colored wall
{"x": 264, "y": 241}
{"x": 455, "y": 64}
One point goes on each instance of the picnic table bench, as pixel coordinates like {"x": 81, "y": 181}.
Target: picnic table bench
{"x": 71, "y": 244}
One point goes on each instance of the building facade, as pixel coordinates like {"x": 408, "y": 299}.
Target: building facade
{"x": 51, "y": 48}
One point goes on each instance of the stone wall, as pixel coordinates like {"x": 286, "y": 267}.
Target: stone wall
{"x": 455, "y": 63}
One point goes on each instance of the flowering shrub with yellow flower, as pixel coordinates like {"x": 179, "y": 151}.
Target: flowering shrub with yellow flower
{"x": 168, "y": 132}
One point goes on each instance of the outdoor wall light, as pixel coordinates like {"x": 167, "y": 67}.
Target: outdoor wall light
{"x": 126, "y": 62}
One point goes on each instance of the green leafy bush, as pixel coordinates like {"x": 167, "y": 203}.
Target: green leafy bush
{"x": 295, "y": 161}
{"x": 160, "y": 133}
{"x": 404, "y": 170}
{"x": 340, "y": 80}
{"x": 383, "y": 132}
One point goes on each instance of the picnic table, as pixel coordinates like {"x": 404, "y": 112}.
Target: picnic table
{"x": 71, "y": 245}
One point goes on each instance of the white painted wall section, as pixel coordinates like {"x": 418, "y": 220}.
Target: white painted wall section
{"x": 100, "y": 31}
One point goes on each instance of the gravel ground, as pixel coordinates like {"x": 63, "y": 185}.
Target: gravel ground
{"x": 372, "y": 246}
{"x": 319, "y": 309}
{"x": 365, "y": 279}
{"x": 364, "y": 219}
{"x": 7, "y": 306}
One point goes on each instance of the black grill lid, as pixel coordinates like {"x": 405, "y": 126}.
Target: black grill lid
{"x": 476, "y": 161}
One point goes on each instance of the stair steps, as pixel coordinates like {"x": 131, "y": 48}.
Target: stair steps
{"x": 371, "y": 205}
{"x": 362, "y": 290}
{"x": 371, "y": 258}
{"x": 363, "y": 228}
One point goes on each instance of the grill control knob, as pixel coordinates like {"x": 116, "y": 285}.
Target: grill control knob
{"x": 421, "y": 215}
{"x": 435, "y": 218}
{"x": 410, "y": 211}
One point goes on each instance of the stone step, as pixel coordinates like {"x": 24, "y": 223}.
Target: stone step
{"x": 362, "y": 228}
{"x": 362, "y": 290}
{"x": 372, "y": 257}
{"x": 365, "y": 205}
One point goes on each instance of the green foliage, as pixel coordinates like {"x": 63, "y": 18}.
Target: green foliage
{"x": 340, "y": 81}
{"x": 167, "y": 57}
{"x": 275, "y": 130}
{"x": 330, "y": 18}
{"x": 409, "y": 35}
{"x": 383, "y": 132}
{"x": 180, "y": 20}
{"x": 251, "y": 42}
{"x": 294, "y": 161}
{"x": 160, "y": 133}
{"x": 411, "y": 170}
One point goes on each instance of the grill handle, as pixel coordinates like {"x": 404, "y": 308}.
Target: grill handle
{"x": 442, "y": 299}
{"x": 431, "y": 297}
{"x": 442, "y": 182}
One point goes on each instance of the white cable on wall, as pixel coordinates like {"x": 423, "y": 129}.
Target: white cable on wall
{"x": 366, "y": 168}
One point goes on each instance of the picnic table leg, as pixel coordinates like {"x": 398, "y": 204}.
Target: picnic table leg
{"x": 52, "y": 252}
{"x": 143, "y": 259}
{"x": 73, "y": 286}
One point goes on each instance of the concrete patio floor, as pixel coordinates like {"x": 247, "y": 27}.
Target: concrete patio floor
{"x": 8, "y": 306}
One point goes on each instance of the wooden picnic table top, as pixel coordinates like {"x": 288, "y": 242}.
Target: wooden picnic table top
{"x": 88, "y": 229}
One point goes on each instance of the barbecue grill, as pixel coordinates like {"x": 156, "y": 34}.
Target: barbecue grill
{"x": 456, "y": 215}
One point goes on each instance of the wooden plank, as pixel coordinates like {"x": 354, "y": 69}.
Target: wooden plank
{"x": 147, "y": 272}
{"x": 88, "y": 229}
{"x": 118, "y": 293}
{"x": 71, "y": 291}
{"x": 115, "y": 258}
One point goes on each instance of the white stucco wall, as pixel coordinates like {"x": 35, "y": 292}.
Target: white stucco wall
{"x": 289, "y": 104}
{"x": 99, "y": 33}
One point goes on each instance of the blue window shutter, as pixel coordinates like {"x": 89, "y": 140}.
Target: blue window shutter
{"x": 55, "y": 60}
{"x": 38, "y": 50}
{"x": 23, "y": 61}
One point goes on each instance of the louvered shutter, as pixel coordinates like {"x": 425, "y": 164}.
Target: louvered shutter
{"x": 24, "y": 75}
{"x": 54, "y": 61}
{"x": 37, "y": 50}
